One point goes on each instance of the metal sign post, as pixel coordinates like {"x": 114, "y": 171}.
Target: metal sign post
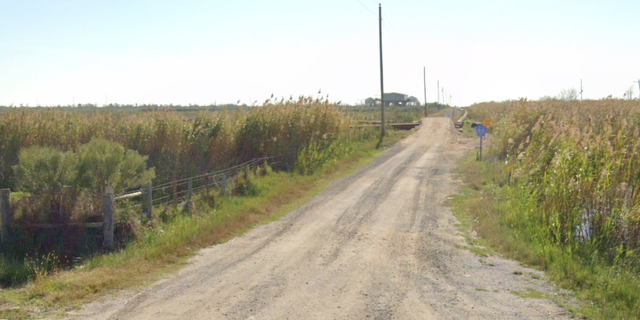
{"x": 481, "y": 130}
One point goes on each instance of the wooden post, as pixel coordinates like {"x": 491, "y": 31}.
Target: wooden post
{"x": 148, "y": 200}
{"x": 255, "y": 168}
{"x": 187, "y": 203}
{"x": 109, "y": 225}
{"x": 5, "y": 203}
{"x": 175, "y": 190}
{"x": 206, "y": 185}
{"x": 381, "y": 77}
{"x": 244, "y": 169}
{"x": 224, "y": 183}
{"x": 210, "y": 196}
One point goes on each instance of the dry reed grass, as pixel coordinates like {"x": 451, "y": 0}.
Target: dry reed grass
{"x": 580, "y": 160}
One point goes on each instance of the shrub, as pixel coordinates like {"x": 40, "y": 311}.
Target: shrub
{"x": 44, "y": 170}
{"x": 101, "y": 163}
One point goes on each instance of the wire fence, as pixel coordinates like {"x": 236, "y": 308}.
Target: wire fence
{"x": 139, "y": 202}
{"x": 181, "y": 190}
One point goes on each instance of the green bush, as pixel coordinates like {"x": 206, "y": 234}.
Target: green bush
{"x": 321, "y": 154}
{"x": 44, "y": 170}
{"x": 101, "y": 162}
{"x": 96, "y": 164}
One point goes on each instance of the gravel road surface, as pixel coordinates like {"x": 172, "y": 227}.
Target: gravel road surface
{"x": 378, "y": 244}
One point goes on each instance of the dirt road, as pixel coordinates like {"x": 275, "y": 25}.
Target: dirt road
{"x": 378, "y": 244}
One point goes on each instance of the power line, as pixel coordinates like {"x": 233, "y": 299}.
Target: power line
{"x": 383, "y": 19}
{"x": 386, "y": 25}
{"x": 362, "y": 4}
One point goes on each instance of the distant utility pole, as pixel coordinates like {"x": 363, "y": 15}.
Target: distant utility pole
{"x": 638, "y": 82}
{"x": 581, "y": 89}
{"x": 424, "y": 72}
{"x": 381, "y": 74}
{"x": 438, "y": 92}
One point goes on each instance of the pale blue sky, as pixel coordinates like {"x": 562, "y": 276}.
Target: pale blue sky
{"x": 181, "y": 52}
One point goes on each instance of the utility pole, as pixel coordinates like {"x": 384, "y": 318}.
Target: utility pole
{"x": 581, "y": 89}
{"x": 438, "y": 93}
{"x": 638, "y": 88}
{"x": 424, "y": 72}
{"x": 381, "y": 74}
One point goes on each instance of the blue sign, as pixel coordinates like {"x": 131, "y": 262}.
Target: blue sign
{"x": 481, "y": 130}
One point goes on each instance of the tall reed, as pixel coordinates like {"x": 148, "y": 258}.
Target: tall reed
{"x": 178, "y": 145}
{"x": 581, "y": 162}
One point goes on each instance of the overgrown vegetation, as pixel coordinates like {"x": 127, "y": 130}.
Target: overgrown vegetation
{"x": 175, "y": 235}
{"x": 559, "y": 190}
{"x": 58, "y": 161}
{"x": 43, "y": 172}
{"x": 177, "y": 145}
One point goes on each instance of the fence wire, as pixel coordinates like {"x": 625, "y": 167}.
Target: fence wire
{"x": 178, "y": 191}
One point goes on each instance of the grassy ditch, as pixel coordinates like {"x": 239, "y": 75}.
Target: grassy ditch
{"x": 165, "y": 246}
{"x": 538, "y": 215}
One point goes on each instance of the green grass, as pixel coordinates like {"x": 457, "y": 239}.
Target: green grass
{"x": 167, "y": 246}
{"x": 500, "y": 215}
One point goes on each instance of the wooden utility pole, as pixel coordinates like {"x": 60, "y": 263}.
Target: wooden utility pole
{"x": 381, "y": 74}
{"x": 424, "y": 73}
{"x": 438, "y": 93}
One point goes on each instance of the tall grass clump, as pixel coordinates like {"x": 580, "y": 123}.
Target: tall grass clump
{"x": 576, "y": 181}
{"x": 57, "y": 161}
{"x": 177, "y": 145}
{"x": 53, "y": 155}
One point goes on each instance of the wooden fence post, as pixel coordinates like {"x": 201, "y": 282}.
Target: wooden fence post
{"x": 148, "y": 200}
{"x": 224, "y": 183}
{"x": 211, "y": 198}
{"x": 175, "y": 190}
{"x": 244, "y": 169}
{"x": 5, "y": 202}
{"x": 108, "y": 225}
{"x": 187, "y": 203}
{"x": 255, "y": 167}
